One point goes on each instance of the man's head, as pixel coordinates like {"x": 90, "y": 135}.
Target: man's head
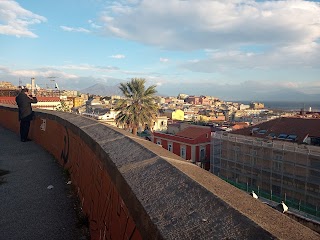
{"x": 25, "y": 90}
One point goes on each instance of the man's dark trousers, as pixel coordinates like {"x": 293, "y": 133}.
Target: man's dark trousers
{"x": 24, "y": 127}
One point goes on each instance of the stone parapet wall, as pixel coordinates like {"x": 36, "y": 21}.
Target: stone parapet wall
{"x": 133, "y": 189}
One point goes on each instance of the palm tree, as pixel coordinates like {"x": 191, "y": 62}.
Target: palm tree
{"x": 139, "y": 106}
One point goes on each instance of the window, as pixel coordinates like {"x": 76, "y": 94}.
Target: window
{"x": 254, "y": 130}
{"x": 236, "y": 153}
{"x": 282, "y": 136}
{"x": 254, "y": 154}
{"x": 314, "y": 163}
{"x": 277, "y": 166}
{"x": 170, "y": 148}
{"x": 292, "y": 137}
{"x": 277, "y": 162}
{"x": 236, "y": 148}
{"x": 272, "y": 135}
{"x": 278, "y": 157}
{"x": 183, "y": 152}
{"x": 262, "y": 131}
{"x": 159, "y": 141}
{"x": 202, "y": 153}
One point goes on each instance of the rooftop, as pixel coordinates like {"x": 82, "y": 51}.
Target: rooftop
{"x": 194, "y": 132}
{"x": 297, "y": 129}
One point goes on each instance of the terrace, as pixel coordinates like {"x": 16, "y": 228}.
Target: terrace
{"x": 130, "y": 188}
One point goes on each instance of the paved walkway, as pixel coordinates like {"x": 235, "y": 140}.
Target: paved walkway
{"x": 28, "y": 209}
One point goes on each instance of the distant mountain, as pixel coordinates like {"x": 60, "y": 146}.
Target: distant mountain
{"x": 106, "y": 90}
{"x": 288, "y": 95}
{"x": 102, "y": 90}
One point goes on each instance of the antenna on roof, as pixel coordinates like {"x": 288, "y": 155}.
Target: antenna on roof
{"x": 302, "y": 112}
{"x": 53, "y": 79}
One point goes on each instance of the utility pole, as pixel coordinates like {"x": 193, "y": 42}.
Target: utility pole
{"x": 55, "y": 88}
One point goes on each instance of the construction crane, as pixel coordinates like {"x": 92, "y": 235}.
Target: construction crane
{"x": 53, "y": 79}
{"x": 20, "y": 82}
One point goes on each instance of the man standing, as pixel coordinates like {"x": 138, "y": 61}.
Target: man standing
{"x": 24, "y": 101}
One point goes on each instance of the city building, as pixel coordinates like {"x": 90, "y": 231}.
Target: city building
{"x": 191, "y": 143}
{"x": 6, "y": 85}
{"x": 278, "y": 158}
{"x": 174, "y": 114}
{"x": 49, "y": 103}
{"x": 78, "y": 101}
{"x": 160, "y": 124}
{"x": 182, "y": 96}
{"x": 256, "y": 105}
{"x": 193, "y": 100}
{"x": 243, "y": 106}
{"x": 203, "y": 100}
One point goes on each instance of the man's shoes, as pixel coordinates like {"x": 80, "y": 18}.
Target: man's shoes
{"x": 26, "y": 140}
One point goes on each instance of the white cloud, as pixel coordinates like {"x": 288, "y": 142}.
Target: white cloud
{"x": 88, "y": 67}
{"x": 93, "y": 24}
{"x": 118, "y": 56}
{"x": 4, "y": 70}
{"x": 299, "y": 56}
{"x": 213, "y": 23}
{"x": 42, "y": 72}
{"x": 16, "y": 20}
{"x": 70, "y": 29}
{"x": 164, "y": 60}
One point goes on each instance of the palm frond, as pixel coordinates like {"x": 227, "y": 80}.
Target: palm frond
{"x": 140, "y": 106}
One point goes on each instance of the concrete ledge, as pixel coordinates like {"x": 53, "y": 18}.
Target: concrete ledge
{"x": 131, "y": 188}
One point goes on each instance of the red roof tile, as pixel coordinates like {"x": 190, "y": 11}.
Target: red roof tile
{"x": 48, "y": 99}
{"x": 290, "y": 126}
{"x": 194, "y": 132}
{"x": 12, "y": 100}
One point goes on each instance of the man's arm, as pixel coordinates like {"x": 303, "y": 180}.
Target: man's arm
{"x": 32, "y": 99}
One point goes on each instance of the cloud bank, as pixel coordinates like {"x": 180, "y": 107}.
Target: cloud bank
{"x": 213, "y": 24}
{"x": 16, "y": 21}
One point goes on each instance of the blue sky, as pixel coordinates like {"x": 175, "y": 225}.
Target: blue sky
{"x": 235, "y": 50}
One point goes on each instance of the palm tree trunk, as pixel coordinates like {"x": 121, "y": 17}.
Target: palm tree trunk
{"x": 134, "y": 130}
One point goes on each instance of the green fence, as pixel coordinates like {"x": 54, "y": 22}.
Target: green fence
{"x": 292, "y": 203}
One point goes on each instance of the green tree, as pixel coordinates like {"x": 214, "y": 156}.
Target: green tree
{"x": 139, "y": 106}
{"x": 63, "y": 107}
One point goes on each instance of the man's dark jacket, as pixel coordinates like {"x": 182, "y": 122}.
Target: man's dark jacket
{"x": 24, "y": 104}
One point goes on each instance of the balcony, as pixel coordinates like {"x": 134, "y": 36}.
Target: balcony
{"x": 130, "y": 188}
